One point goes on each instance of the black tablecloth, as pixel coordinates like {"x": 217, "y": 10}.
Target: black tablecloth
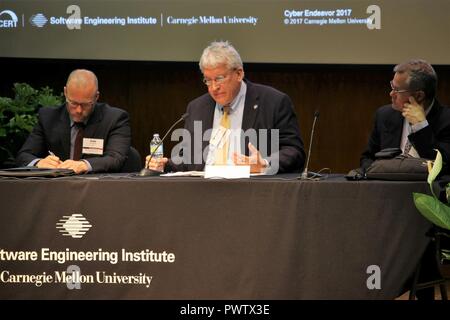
{"x": 259, "y": 238}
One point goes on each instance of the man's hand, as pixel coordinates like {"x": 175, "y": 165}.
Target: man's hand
{"x": 413, "y": 112}
{"x": 255, "y": 160}
{"x": 49, "y": 162}
{"x": 156, "y": 164}
{"x": 77, "y": 166}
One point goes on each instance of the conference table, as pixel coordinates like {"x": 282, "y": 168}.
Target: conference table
{"x": 268, "y": 237}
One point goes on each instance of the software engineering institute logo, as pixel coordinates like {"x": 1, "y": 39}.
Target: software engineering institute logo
{"x": 74, "y": 226}
{"x": 38, "y": 20}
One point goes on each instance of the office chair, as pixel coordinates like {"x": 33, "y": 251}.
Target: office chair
{"x": 439, "y": 236}
{"x": 133, "y": 163}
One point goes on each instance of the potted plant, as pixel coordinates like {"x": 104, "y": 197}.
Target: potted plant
{"x": 18, "y": 116}
{"x": 431, "y": 207}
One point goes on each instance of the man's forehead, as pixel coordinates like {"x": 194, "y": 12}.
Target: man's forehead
{"x": 400, "y": 77}
{"x": 219, "y": 70}
{"x": 86, "y": 89}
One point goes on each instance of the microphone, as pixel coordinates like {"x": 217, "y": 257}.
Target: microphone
{"x": 149, "y": 172}
{"x": 305, "y": 175}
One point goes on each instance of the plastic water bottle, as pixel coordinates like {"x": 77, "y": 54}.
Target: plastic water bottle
{"x": 157, "y": 145}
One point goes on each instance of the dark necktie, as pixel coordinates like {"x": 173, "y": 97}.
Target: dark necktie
{"x": 78, "y": 141}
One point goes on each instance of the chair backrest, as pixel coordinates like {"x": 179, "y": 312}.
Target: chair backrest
{"x": 133, "y": 162}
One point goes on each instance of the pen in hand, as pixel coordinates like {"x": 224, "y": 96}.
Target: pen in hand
{"x": 54, "y": 155}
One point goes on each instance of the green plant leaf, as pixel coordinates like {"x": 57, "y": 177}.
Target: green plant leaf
{"x": 19, "y": 115}
{"x": 433, "y": 209}
{"x": 5, "y": 103}
{"x": 22, "y": 122}
{"x": 23, "y": 90}
{"x": 437, "y": 167}
{"x": 445, "y": 254}
{"x": 447, "y": 192}
{"x": 46, "y": 99}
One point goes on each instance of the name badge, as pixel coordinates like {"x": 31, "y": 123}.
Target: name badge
{"x": 219, "y": 136}
{"x": 92, "y": 146}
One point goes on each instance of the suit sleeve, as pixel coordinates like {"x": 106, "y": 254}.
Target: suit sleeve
{"x": 183, "y": 154}
{"x": 291, "y": 155}
{"x": 34, "y": 146}
{"x": 373, "y": 146}
{"x": 430, "y": 138}
{"x": 117, "y": 145}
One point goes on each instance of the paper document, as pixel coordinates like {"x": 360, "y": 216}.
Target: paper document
{"x": 197, "y": 174}
{"x": 184, "y": 174}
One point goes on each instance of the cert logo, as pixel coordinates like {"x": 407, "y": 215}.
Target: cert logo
{"x": 74, "y": 226}
{"x": 8, "y": 19}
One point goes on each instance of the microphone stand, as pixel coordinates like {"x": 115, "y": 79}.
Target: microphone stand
{"x": 146, "y": 172}
{"x": 304, "y": 175}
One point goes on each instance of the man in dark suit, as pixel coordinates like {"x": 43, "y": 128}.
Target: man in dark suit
{"x": 57, "y": 139}
{"x": 415, "y": 122}
{"x": 261, "y": 129}
{"x": 418, "y": 124}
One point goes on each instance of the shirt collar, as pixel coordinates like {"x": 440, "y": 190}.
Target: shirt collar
{"x": 72, "y": 123}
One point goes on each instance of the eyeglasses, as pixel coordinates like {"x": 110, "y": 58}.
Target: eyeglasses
{"x": 216, "y": 80}
{"x": 396, "y": 90}
{"x": 83, "y": 105}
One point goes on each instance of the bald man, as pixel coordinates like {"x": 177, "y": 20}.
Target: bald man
{"x": 82, "y": 134}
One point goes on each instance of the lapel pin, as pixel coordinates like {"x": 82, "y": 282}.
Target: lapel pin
{"x": 255, "y": 106}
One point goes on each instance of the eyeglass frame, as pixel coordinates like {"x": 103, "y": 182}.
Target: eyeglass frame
{"x": 399, "y": 90}
{"x": 216, "y": 80}
{"x": 83, "y": 105}
{"x": 219, "y": 79}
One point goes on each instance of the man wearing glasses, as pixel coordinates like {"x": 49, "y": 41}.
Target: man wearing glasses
{"x": 220, "y": 122}
{"x": 415, "y": 122}
{"x": 418, "y": 124}
{"x": 82, "y": 134}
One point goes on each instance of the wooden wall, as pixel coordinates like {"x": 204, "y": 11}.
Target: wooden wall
{"x": 156, "y": 94}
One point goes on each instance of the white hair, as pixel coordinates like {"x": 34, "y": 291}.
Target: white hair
{"x": 220, "y": 52}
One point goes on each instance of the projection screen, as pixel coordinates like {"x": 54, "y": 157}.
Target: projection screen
{"x": 264, "y": 31}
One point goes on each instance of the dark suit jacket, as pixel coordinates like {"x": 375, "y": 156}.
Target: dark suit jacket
{"x": 387, "y": 133}
{"x": 265, "y": 108}
{"x": 52, "y": 133}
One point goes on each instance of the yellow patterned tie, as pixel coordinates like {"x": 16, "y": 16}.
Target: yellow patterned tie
{"x": 222, "y": 153}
